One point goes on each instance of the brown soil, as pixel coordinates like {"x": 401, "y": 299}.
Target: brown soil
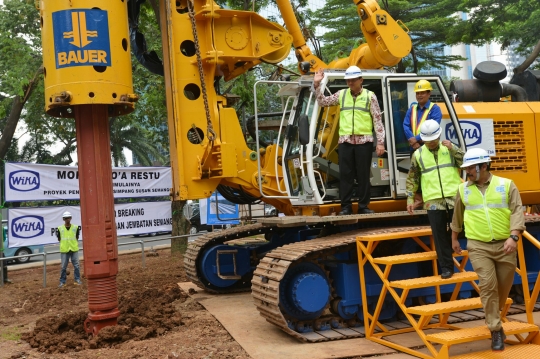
{"x": 157, "y": 319}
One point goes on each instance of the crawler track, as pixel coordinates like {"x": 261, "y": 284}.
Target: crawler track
{"x": 197, "y": 248}
{"x": 272, "y": 268}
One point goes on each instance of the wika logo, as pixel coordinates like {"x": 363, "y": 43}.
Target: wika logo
{"x": 88, "y": 32}
{"x": 28, "y": 226}
{"x": 472, "y": 132}
{"x": 24, "y": 181}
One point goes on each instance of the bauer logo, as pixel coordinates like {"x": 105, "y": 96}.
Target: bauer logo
{"x": 28, "y": 226}
{"x": 472, "y": 132}
{"x": 81, "y": 38}
{"x": 24, "y": 181}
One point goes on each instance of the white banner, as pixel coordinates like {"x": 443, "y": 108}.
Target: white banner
{"x": 35, "y": 226}
{"x": 34, "y": 182}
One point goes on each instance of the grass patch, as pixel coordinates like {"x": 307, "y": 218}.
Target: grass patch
{"x": 11, "y": 334}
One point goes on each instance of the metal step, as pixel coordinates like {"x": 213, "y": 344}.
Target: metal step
{"x": 523, "y": 351}
{"x": 412, "y": 257}
{"x": 448, "y": 307}
{"x": 479, "y": 333}
{"x": 424, "y": 282}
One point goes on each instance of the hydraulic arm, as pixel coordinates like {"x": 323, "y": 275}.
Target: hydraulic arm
{"x": 202, "y": 42}
{"x": 387, "y": 41}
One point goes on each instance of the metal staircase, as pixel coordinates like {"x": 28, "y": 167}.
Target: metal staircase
{"x": 435, "y": 316}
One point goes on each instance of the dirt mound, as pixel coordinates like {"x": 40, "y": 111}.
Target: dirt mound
{"x": 157, "y": 319}
{"x": 143, "y": 315}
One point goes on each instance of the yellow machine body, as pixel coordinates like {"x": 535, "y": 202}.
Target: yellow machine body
{"x": 87, "y": 56}
{"x": 207, "y": 144}
{"x": 515, "y": 125}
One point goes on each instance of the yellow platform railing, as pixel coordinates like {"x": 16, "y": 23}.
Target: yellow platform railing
{"x": 420, "y": 317}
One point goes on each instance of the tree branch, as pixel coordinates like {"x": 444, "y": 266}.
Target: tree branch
{"x": 529, "y": 60}
{"x": 32, "y": 84}
{"x": 155, "y": 6}
{"x": 15, "y": 113}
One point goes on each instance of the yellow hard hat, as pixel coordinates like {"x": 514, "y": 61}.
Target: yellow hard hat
{"x": 422, "y": 85}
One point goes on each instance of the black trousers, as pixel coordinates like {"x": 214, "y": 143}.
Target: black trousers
{"x": 438, "y": 220}
{"x": 355, "y": 163}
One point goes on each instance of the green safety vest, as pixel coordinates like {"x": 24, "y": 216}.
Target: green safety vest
{"x": 415, "y": 126}
{"x": 431, "y": 184}
{"x": 68, "y": 239}
{"x": 354, "y": 117}
{"x": 487, "y": 216}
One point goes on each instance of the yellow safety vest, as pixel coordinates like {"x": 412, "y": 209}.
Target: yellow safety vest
{"x": 415, "y": 126}
{"x": 431, "y": 183}
{"x": 487, "y": 216}
{"x": 354, "y": 117}
{"x": 68, "y": 238}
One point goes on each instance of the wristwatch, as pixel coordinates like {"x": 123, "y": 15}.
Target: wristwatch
{"x": 514, "y": 237}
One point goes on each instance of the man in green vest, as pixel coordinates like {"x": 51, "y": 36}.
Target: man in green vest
{"x": 68, "y": 236}
{"x": 435, "y": 165}
{"x": 419, "y": 113}
{"x": 359, "y": 117}
{"x": 490, "y": 209}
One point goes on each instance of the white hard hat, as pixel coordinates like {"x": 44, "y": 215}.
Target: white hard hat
{"x": 430, "y": 130}
{"x": 66, "y": 214}
{"x": 353, "y": 72}
{"x": 475, "y": 156}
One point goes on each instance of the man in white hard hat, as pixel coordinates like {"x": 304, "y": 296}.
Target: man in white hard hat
{"x": 490, "y": 209}
{"x": 419, "y": 113}
{"x": 360, "y": 114}
{"x": 68, "y": 236}
{"x": 435, "y": 165}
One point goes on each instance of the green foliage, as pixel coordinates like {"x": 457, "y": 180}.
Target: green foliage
{"x": 505, "y": 21}
{"x": 427, "y": 20}
{"x": 127, "y": 134}
{"x": 340, "y": 18}
{"x": 20, "y": 45}
{"x": 149, "y": 119}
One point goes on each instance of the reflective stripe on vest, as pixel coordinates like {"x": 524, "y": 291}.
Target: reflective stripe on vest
{"x": 68, "y": 238}
{"x": 354, "y": 116}
{"x": 487, "y": 216}
{"x": 431, "y": 185}
{"x": 415, "y": 125}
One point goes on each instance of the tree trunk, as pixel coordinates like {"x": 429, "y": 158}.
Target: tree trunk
{"x": 180, "y": 226}
{"x": 529, "y": 60}
{"x": 415, "y": 61}
{"x": 400, "y": 67}
{"x": 15, "y": 113}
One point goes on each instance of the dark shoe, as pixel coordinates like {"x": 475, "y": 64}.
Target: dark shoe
{"x": 365, "y": 211}
{"x": 345, "y": 211}
{"x": 446, "y": 273}
{"x": 8, "y": 281}
{"x": 497, "y": 340}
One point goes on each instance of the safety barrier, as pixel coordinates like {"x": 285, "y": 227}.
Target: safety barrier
{"x": 45, "y": 254}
